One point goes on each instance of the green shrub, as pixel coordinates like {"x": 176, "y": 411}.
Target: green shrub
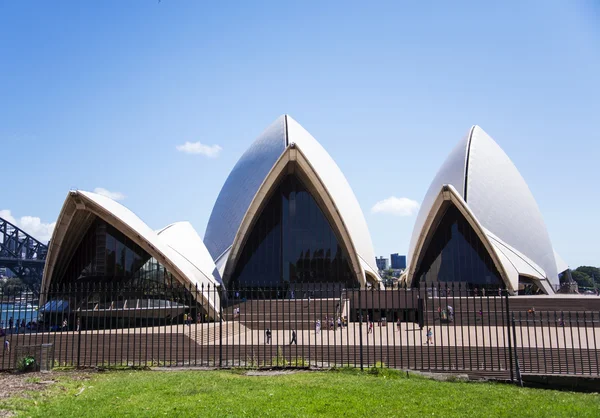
{"x": 26, "y": 364}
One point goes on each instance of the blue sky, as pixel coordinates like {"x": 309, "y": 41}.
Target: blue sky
{"x": 100, "y": 94}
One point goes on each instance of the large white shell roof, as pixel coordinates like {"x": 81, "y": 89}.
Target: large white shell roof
{"x": 241, "y": 186}
{"x": 253, "y": 167}
{"x": 498, "y": 196}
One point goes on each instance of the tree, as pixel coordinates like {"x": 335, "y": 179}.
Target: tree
{"x": 592, "y": 272}
{"x": 582, "y": 279}
{"x": 13, "y": 285}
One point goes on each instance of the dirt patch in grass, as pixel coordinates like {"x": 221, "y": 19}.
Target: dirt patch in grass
{"x": 22, "y": 384}
{"x": 273, "y": 372}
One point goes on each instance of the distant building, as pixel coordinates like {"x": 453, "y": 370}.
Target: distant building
{"x": 382, "y": 263}
{"x": 398, "y": 261}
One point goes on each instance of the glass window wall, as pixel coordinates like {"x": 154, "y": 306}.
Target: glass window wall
{"x": 292, "y": 242}
{"x": 456, "y": 254}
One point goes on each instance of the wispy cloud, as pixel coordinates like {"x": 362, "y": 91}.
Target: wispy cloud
{"x": 112, "y": 195}
{"x": 211, "y": 151}
{"x": 30, "y": 224}
{"x": 398, "y": 206}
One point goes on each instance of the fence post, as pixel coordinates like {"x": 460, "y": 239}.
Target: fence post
{"x": 508, "y": 326}
{"x": 78, "y": 326}
{"x": 517, "y": 368}
{"x": 220, "y": 329}
{"x": 360, "y": 332}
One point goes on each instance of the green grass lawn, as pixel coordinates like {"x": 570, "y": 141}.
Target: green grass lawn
{"x": 336, "y": 393}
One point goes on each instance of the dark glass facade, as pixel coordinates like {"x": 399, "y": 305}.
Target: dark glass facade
{"x": 456, "y": 254}
{"x": 106, "y": 255}
{"x": 109, "y": 276}
{"x": 292, "y": 242}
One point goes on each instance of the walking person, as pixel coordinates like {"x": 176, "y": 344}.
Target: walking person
{"x": 268, "y": 336}
{"x": 318, "y": 326}
{"x": 450, "y": 313}
{"x": 293, "y": 341}
{"x": 6, "y": 346}
{"x": 429, "y": 336}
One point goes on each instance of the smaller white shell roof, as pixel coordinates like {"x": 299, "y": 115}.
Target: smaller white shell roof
{"x": 132, "y": 226}
{"x": 183, "y": 239}
{"x": 561, "y": 264}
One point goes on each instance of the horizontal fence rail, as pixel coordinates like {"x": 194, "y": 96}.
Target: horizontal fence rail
{"x": 441, "y": 328}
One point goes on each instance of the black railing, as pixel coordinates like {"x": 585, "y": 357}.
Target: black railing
{"x": 441, "y": 328}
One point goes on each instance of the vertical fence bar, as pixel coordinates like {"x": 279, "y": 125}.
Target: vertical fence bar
{"x": 595, "y": 344}
{"x": 433, "y": 299}
{"x": 578, "y": 343}
{"x": 543, "y": 342}
{"x": 508, "y": 326}
{"x": 572, "y": 343}
{"x": 360, "y": 329}
{"x": 381, "y": 362}
{"x": 395, "y": 324}
{"x": 79, "y": 328}
{"x": 489, "y": 326}
{"x": 587, "y": 343}
{"x": 550, "y": 328}
{"x": 517, "y": 368}
{"x": 110, "y": 323}
{"x": 468, "y": 315}
{"x": 452, "y": 317}
{"x": 416, "y": 320}
{"x": 96, "y": 333}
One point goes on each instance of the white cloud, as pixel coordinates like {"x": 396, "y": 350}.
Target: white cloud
{"x": 399, "y": 206}
{"x": 211, "y": 151}
{"x": 112, "y": 195}
{"x": 30, "y": 224}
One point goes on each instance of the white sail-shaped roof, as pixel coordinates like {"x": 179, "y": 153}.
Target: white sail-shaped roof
{"x": 81, "y": 208}
{"x": 499, "y": 198}
{"x": 185, "y": 241}
{"x": 249, "y": 182}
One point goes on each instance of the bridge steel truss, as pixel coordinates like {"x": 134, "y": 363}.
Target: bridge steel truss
{"x": 22, "y": 254}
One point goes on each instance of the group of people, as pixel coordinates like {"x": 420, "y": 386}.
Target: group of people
{"x": 188, "y": 319}
{"x": 268, "y": 335}
{"x": 331, "y": 323}
{"x": 17, "y": 326}
{"x": 446, "y": 314}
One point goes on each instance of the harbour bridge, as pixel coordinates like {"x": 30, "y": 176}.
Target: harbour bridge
{"x": 22, "y": 254}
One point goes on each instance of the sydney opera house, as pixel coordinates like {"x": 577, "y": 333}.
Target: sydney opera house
{"x": 286, "y": 215}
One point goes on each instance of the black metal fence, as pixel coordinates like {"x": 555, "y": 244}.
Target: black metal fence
{"x": 435, "y": 328}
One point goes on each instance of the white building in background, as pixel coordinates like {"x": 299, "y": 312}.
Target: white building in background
{"x": 286, "y": 214}
{"x": 479, "y": 224}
